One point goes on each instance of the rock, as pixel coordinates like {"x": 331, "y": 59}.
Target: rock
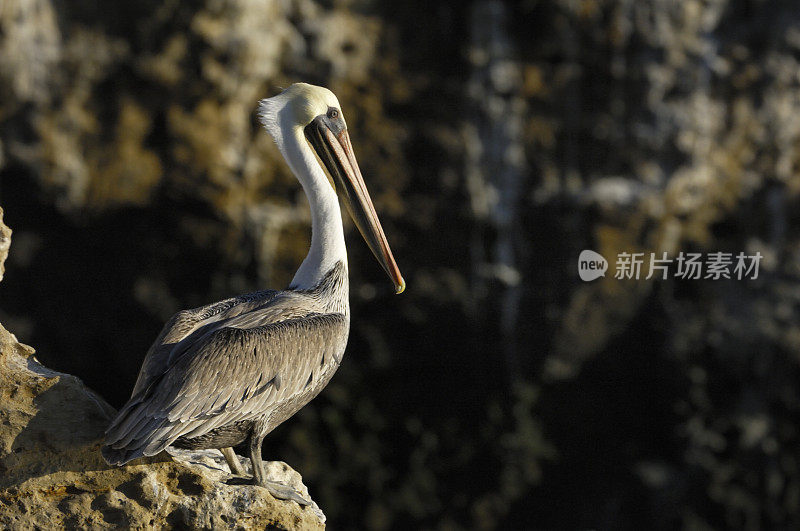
{"x": 5, "y": 244}
{"x": 53, "y": 476}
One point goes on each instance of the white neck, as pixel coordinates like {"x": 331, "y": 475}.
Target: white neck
{"x": 327, "y": 234}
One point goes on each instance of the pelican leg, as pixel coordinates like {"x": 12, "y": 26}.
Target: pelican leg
{"x": 278, "y": 490}
{"x": 233, "y": 461}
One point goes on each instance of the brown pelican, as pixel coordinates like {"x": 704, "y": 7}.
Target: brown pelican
{"x": 230, "y": 372}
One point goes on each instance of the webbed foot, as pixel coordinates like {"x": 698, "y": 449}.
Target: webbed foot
{"x": 281, "y": 491}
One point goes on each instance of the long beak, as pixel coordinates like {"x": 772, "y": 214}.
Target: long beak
{"x": 336, "y": 152}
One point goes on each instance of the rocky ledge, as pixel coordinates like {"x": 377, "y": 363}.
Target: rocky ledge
{"x": 53, "y": 476}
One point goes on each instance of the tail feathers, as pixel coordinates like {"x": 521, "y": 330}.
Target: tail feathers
{"x": 133, "y": 434}
{"x": 118, "y": 457}
{"x": 138, "y": 448}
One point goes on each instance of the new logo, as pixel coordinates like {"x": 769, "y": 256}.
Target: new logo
{"x": 591, "y": 265}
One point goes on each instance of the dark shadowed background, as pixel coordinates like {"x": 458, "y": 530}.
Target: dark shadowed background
{"x": 498, "y": 140}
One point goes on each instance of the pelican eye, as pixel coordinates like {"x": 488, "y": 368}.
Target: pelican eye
{"x": 333, "y": 114}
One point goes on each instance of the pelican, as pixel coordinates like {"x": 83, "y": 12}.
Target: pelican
{"x": 228, "y": 373}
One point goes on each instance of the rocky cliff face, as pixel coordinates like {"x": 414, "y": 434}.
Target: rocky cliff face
{"x": 52, "y": 474}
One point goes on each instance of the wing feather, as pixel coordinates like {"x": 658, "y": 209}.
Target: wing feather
{"x": 183, "y": 323}
{"x": 230, "y": 374}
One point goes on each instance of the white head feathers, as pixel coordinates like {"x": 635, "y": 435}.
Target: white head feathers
{"x": 295, "y": 107}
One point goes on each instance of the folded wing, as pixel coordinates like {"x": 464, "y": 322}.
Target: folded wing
{"x": 228, "y": 374}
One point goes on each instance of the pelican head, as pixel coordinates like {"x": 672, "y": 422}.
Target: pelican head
{"x": 314, "y": 113}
